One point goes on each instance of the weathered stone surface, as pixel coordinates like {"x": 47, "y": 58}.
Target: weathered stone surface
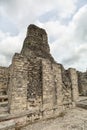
{"x": 74, "y": 82}
{"x": 18, "y": 84}
{"x": 58, "y": 88}
{"x": 36, "y": 43}
{"x": 35, "y": 82}
{"x": 82, "y": 83}
{"x": 7, "y": 125}
{"x": 3, "y": 90}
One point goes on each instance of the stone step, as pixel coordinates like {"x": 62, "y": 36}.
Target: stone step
{"x": 3, "y": 104}
{"x": 3, "y": 110}
{"x": 82, "y": 102}
{"x": 5, "y": 125}
{"x": 3, "y": 92}
{"x": 3, "y": 96}
{"x": 82, "y": 105}
{"x": 82, "y": 98}
{"x": 4, "y": 116}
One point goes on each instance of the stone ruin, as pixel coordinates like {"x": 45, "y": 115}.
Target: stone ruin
{"x": 34, "y": 87}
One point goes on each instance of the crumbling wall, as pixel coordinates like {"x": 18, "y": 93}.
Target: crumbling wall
{"x": 82, "y": 83}
{"x": 18, "y": 84}
{"x": 35, "y": 82}
{"x": 58, "y": 88}
{"x": 3, "y": 90}
{"x": 34, "y": 78}
{"x": 48, "y": 88}
{"x": 3, "y": 77}
{"x": 34, "y": 88}
{"x": 74, "y": 82}
{"x": 67, "y": 89}
{"x": 36, "y": 43}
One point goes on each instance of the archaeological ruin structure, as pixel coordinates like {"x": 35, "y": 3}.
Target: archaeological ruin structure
{"x": 35, "y": 87}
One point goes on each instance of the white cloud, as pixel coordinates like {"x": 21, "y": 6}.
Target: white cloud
{"x": 9, "y": 45}
{"x": 27, "y": 11}
{"x": 80, "y": 20}
{"x": 68, "y": 42}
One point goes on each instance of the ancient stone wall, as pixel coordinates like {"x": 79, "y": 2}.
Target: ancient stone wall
{"x": 3, "y": 90}
{"x": 67, "y": 89}
{"x": 3, "y": 77}
{"x": 48, "y": 88}
{"x": 35, "y": 85}
{"x": 82, "y": 83}
{"x": 74, "y": 82}
{"x": 34, "y": 88}
{"x": 18, "y": 84}
{"x": 58, "y": 87}
{"x": 36, "y": 43}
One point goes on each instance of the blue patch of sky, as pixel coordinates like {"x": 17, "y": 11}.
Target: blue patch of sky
{"x": 53, "y": 15}
{"x": 51, "y": 39}
{"x": 7, "y": 26}
{"x": 49, "y": 16}
{"x": 65, "y": 21}
{"x": 79, "y": 4}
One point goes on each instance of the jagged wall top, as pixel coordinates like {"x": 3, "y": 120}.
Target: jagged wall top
{"x": 36, "y": 43}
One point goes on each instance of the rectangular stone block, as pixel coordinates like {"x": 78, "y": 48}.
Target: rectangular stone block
{"x": 47, "y": 84}
{"x": 74, "y": 82}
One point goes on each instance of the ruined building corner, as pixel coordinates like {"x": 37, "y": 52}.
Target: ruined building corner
{"x": 34, "y": 86}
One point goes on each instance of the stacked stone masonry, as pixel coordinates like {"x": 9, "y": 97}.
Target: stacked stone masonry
{"x": 34, "y": 86}
{"x": 82, "y": 78}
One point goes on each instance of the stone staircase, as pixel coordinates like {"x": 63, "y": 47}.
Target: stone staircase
{"x": 3, "y": 101}
{"x": 7, "y": 125}
{"x": 82, "y": 102}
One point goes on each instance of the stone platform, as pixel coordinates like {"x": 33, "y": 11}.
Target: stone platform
{"x": 82, "y": 102}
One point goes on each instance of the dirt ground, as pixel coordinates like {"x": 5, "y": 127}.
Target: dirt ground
{"x": 74, "y": 119}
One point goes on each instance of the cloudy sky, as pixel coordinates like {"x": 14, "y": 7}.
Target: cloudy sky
{"x": 64, "y": 20}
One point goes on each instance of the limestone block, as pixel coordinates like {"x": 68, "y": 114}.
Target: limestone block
{"x": 58, "y": 83}
{"x": 74, "y": 81}
{"x": 18, "y": 84}
{"x": 48, "y": 83}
